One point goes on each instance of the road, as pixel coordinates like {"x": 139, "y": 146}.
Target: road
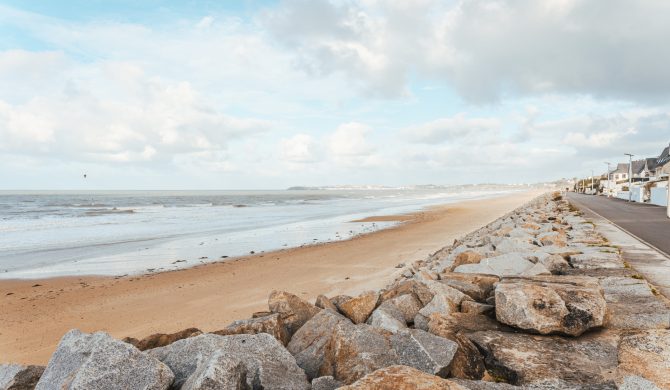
{"x": 647, "y": 222}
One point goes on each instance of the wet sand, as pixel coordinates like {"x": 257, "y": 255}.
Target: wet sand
{"x": 34, "y": 314}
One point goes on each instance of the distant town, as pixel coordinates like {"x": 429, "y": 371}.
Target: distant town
{"x": 640, "y": 180}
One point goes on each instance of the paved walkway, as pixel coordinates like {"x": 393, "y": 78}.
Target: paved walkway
{"x": 645, "y": 221}
{"x": 620, "y": 222}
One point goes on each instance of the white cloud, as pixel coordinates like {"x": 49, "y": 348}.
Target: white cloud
{"x": 458, "y": 128}
{"x": 597, "y": 140}
{"x": 487, "y": 50}
{"x": 349, "y": 142}
{"x": 301, "y": 148}
{"x": 306, "y": 82}
{"x": 93, "y": 120}
{"x": 346, "y": 148}
{"x": 205, "y": 22}
{"x": 612, "y": 50}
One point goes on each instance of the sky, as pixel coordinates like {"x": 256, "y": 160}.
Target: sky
{"x": 153, "y": 94}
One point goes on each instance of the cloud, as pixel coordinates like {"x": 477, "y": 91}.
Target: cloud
{"x": 117, "y": 114}
{"x": 349, "y": 140}
{"x": 347, "y": 147}
{"x": 350, "y": 38}
{"x": 300, "y": 148}
{"x": 486, "y": 50}
{"x": 370, "y": 90}
{"x": 611, "y": 51}
{"x": 597, "y": 140}
{"x": 454, "y": 129}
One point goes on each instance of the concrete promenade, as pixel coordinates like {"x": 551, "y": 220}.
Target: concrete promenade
{"x": 641, "y": 231}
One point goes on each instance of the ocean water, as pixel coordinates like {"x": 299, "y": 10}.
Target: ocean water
{"x": 46, "y": 234}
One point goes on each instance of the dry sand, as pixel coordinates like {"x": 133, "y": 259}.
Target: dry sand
{"x": 35, "y": 314}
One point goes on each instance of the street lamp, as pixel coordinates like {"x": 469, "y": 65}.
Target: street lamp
{"x": 630, "y": 176}
{"x": 609, "y": 192}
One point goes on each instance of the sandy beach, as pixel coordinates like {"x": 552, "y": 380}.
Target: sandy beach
{"x": 36, "y": 313}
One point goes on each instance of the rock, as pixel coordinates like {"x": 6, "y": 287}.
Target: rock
{"x": 537, "y": 269}
{"x": 511, "y": 245}
{"x": 162, "y": 339}
{"x": 551, "y": 304}
{"x": 483, "y": 385}
{"x": 440, "y": 304}
{"x": 309, "y": 342}
{"x": 424, "y": 351}
{"x": 476, "y": 286}
{"x": 387, "y": 316}
{"x": 596, "y": 260}
{"x": 553, "y": 239}
{"x": 294, "y": 311}
{"x": 467, "y": 257}
{"x": 463, "y": 322}
{"x": 471, "y": 290}
{"x": 415, "y": 287}
{"x": 18, "y": 377}
{"x": 531, "y": 226}
{"x": 323, "y": 302}
{"x": 326, "y": 383}
{"x": 555, "y": 264}
{"x": 476, "y": 308}
{"x": 402, "y": 378}
{"x": 219, "y": 371}
{"x": 438, "y": 288}
{"x": 354, "y": 351}
{"x": 523, "y": 359}
{"x": 510, "y": 264}
{"x": 468, "y": 362}
{"x": 272, "y": 325}
{"x": 647, "y": 354}
{"x": 520, "y": 234}
{"x": 97, "y": 361}
{"x": 447, "y": 260}
{"x": 634, "y": 382}
{"x": 632, "y": 305}
{"x": 408, "y": 305}
{"x": 336, "y": 300}
{"x": 423, "y": 274}
{"x": 358, "y": 309}
{"x": 588, "y": 239}
{"x": 267, "y": 363}
{"x": 602, "y": 273}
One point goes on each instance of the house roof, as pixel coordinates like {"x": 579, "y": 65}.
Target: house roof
{"x": 652, "y": 163}
{"x": 664, "y": 157}
{"x": 638, "y": 166}
{"x": 621, "y": 168}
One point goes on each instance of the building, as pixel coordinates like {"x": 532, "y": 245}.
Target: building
{"x": 620, "y": 173}
{"x": 642, "y": 170}
{"x": 662, "y": 164}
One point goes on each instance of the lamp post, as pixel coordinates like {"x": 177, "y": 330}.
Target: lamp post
{"x": 630, "y": 176}
{"x": 609, "y": 192}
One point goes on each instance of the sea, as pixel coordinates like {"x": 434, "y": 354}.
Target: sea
{"x": 68, "y": 233}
